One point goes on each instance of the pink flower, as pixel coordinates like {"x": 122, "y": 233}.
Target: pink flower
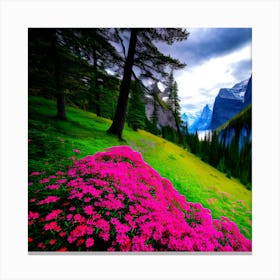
{"x": 62, "y": 181}
{"x": 33, "y": 215}
{"x": 52, "y": 226}
{"x": 111, "y": 249}
{"x": 80, "y": 230}
{"x": 76, "y": 151}
{"x": 41, "y": 245}
{"x": 89, "y": 210}
{"x": 45, "y": 180}
{"x": 62, "y": 249}
{"x": 53, "y": 187}
{"x": 69, "y": 217}
{"x": 35, "y": 173}
{"x": 53, "y": 215}
{"x": 87, "y": 199}
{"x": 79, "y": 218}
{"x": 52, "y": 241}
{"x": 124, "y": 205}
{"x": 48, "y": 200}
{"x": 89, "y": 230}
{"x": 80, "y": 242}
{"x": 89, "y": 242}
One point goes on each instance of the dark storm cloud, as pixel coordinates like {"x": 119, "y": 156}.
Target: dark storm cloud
{"x": 241, "y": 70}
{"x": 206, "y": 43}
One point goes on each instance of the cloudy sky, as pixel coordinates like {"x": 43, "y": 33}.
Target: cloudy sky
{"x": 215, "y": 58}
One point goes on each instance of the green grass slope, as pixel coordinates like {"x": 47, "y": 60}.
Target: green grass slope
{"x": 52, "y": 140}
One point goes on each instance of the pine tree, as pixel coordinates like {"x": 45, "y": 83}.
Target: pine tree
{"x": 151, "y": 63}
{"x": 214, "y": 150}
{"x": 51, "y": 65}
{"x": 174, "y": 103}
{"x": 136, "y": 109}
{"x": 95, "y": 47}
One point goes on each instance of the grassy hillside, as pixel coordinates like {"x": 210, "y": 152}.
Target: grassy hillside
{"x": 52, "y": 140}
{"x": 244, "y": 117}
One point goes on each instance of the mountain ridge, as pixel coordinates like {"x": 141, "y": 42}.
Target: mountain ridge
{"x": 230, "y": 101}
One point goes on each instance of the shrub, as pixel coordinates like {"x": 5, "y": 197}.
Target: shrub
{"x": 114, "y": 201}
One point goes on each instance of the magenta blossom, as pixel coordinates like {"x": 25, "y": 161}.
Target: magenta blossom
{"x": 114, "y": 201}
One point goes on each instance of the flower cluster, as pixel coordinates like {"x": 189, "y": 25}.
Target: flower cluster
{"x": 114, "y": 201}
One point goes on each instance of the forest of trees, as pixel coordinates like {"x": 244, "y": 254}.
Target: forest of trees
{"x": 109, "y": 71}
{"x": 72, "y": 65}
{"x": 230, "y": 157}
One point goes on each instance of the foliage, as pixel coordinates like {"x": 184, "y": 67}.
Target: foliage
{"x": 136, "y": 111}
{"x": 174, "y": 103}
{"x": 198, "y": 181}
{"x": 169, "y": 133}
{"x": 230, "y": 157}
{"x": 71, "y": 63}
{"x": 114, "y": 201}
{"x": 152, "y": 65}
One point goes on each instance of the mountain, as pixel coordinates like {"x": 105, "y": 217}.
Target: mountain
{"x": 165, "y": 116}
{"x": 248, "y": 94}
{"x": 189, "y": 118}
{"x": 203, "y": 121}
{"x": 230, "y": 101}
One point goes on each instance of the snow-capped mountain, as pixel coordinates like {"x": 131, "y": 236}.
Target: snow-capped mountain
{"x": 239, "y": 89}
{"x": 203, "y": 121}
{"x": 189, "y": 118}
{"x": 229, "y": 102}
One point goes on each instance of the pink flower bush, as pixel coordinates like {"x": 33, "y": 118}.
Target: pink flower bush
{"x": 114, "y": 201}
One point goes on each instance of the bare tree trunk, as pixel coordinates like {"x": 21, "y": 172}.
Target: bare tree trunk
{"x": 61, "y": 113}
{"x": 119, "y": 118}
{"x": 96, "y": 84}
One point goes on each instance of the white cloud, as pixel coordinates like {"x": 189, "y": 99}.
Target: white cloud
{"x": 200, "y": 85}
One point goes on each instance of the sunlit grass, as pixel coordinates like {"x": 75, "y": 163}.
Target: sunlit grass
{"x": 52, "y": 140}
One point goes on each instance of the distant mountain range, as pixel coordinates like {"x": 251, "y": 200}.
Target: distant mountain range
{"x": 228, "y": 103}
{"x": 189, "y": 119}
{"x": 203, "y": 121}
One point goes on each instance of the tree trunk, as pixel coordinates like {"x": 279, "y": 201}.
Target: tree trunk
{"x": 180, "y": 137}
{"x": 61, "y": 113}
{"x": 96, "y": 84}
{"x": 119, "y": 118}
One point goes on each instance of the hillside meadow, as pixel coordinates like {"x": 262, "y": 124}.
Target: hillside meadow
{"x": 52, "y": 143}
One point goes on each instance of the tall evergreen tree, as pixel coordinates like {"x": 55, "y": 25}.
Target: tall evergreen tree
{"x": 151, "y": 63}
{"x": 136, "y": 110}
{"x": 174, "y": 103}
{"x": 96, "y": 48}
{"x": 54, "y": 67}
{"x": 61, "y": 113}
{"x": 154, "y": 93}
{"x": 214, "y": 150}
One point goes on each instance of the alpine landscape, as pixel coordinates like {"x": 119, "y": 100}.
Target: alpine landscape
{"x": 139, "y": 140}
